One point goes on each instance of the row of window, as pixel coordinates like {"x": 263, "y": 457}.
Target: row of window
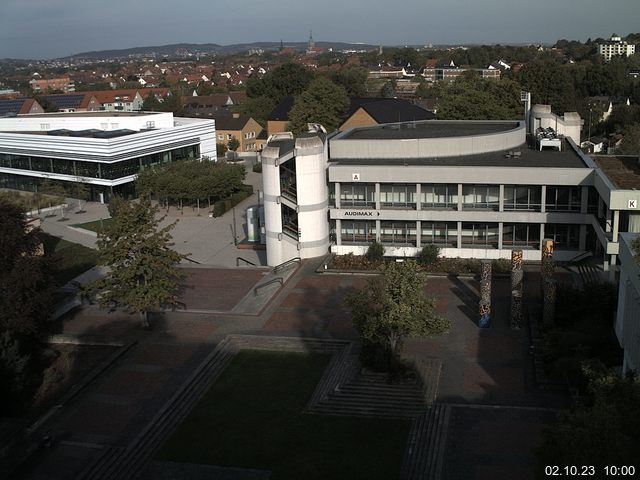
{"x": 108, "y": 171}
{"x": 445, "y": 234}
{"x": 435, "y": 196}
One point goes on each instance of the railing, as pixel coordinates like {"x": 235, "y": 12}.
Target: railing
{"x": 244, "y": 260}
{"x": 275, "y": 280}
{"x": 582, "y": 256}
{"x": 283, "y": 265}
{"x": 192, "y": 261}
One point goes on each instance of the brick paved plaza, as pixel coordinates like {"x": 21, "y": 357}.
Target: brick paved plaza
{"x": 479, "y": 367}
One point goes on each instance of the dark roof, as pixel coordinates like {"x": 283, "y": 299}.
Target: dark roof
{"x": 91, "y": 133}
{"x": 624, "y": 172}
{"x": 281, "y": 110}
{"x": 435, "y": 129}
{"x": 389, "y": 110}
{"x": 286, "y": 145}
{"x": 65, "y": 100}
{"x": 529, "y": 157}
{"x": 11, "y": 106}
{"x": 228, "y": 122}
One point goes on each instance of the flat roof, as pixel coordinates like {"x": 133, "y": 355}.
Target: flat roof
{"x": 623, "y": 171}
{"x": 102, "y": 113}
{"x": 428, "y": 129}
{"x": 529, "y": 157}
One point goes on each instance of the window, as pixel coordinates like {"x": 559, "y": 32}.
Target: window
{"x": 357, "y": 195}
{"x": 479, "y": 235}
{"x": 563, "y": 199}
{"x": 522, "y": 197}
{"x": 41, "y": 164}
{"x": 357, "y": 232}
{"x": 521, "y": 235}
{"x": 439, "y": 196}
{"x": 445, "y": 233}
{"x": 220, "y": 137}
{"x": 290, "y": 222}
{"x": 45, "y": 126}
{"x": 399, "y": 196}
{"x": 229, "y": 136}
{"x": 398, "y": 233}
{"x": 65, "y": 167}
{"x": 481, "y": 196}
{"x": 565, "y": 237}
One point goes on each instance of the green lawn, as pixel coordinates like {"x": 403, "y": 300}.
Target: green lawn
{"x": 96, "y": 225}
{"x": 69, "y": 259}
{"x": 252, "y": 418}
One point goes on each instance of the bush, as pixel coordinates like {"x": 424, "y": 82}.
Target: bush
{"x": 501, "y": 265}
{"x": 428, "y": 255}
{"x": 221, "y": 149}
{"x": 375, "y": 253}
{"x": 222, "y": 206}
{"x": 257, "y": 167}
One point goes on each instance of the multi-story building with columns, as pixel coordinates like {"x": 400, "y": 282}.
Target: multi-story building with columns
{"x": 476, "y": 189}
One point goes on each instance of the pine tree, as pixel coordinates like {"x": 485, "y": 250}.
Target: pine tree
{"x": 143, "y": 275}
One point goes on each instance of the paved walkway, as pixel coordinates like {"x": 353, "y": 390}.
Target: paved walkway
{"x": 486, "y": 376}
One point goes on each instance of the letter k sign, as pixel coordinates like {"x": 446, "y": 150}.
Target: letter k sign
{"x": 632, "y": 204}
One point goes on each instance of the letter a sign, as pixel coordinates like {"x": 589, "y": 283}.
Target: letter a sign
{"x": 355, "y": 177}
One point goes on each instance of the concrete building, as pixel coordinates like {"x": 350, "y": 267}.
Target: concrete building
{"x": 477, "y": 189}
{"x": 615, "y": 46}
{"x": 627, "y": 325}
{"x": 105, "y": 150}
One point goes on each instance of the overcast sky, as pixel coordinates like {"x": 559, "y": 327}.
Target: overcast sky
{"x": 55, "y": 28}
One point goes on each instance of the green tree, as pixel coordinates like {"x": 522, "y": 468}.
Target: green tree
{"x": 631, "y": 142}
{"x": 470, "y": 97}
{"x": 233, "y": 144}
{"x": 257, "y": 108}
{"x": 603, "y": 430}
{"x": 393, "y": 306}
{"x": 550, "y": 83}
{"x": 288, "y": 79}
{"x": 323, "y": 102}
{"x": 142, "y": 275}
{"x": 375, "y": 252}
{"x": 353, "y": 79}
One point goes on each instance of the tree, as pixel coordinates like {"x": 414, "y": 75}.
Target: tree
{"x": 233, "y": 144}
{"x": 470, "y": 97}
{"x": 323, "y": 102}
{"x": 288, "y": 79}
{"x": 393, "y": 306}
{"x": 257, "y": 108}
{"x": 142, "y": 266}
{"x": 549, "y": 83}
{"x": 353, "y": 79}
{"x": 631, "y": 142}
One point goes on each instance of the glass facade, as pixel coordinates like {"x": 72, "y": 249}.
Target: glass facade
{"x": 481, "y": 197}
{"x": 401, "y": 234}
{"x": 565, "y": 237}
{"x": 522, "y": 197}
{"x": 104, "y": 170}
{"x": 358, "y": 195}
{"x": 522, "y": 235}
{"x": 479, "y": 235}
{"x": 438, "y": 196}
{"x": 398, "y": 196}
{"x": 357, "y": 232}
{"x": 439, "y": 233}
{"x": 563, "y": 199}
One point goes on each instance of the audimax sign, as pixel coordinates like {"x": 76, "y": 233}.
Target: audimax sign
{"x": 361, "y": 213}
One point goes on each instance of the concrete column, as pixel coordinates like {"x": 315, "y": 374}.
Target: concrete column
{"x": 459, "y": 197}
{"x": 582, "y": 239}
{"x": 612, "y": 271}
{"x": 377, "y": 196}
{"x": 616, "y": 225}
{"x": 541, "y": 237}
{"x": 337, "y": 194}
{"x": 459, "y": 228}
{"x": 377, "y": 230}
{"x": 338, "y": 232}
{"x": 419, "y": 234}
{"x": 500, "y": 229}
{"x": 501, "y": 202}
{"x": 609, "y": 222}
{"x": 600, "y": 203}
{"x": 584, "y": 200}
{"x": 543, "y": 199}
{"x": 418, "y": 195}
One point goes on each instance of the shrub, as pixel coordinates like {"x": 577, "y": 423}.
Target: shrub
{"x": 221, "y": 149}
{"x": 375, "y": 253}
{"x": 222, "y": 206}
{"x": 257, "y": 167}
{"x": 501, "y": 265}
{"x": 428, "y": 255}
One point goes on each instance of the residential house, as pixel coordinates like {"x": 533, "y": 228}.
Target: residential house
{"x": 217, "y": 104}
{"x": 244, "y": 129}
{"x": 375, "y": 111}
{"x": 73, "y": 102}
{"x": 11, "y": 107}
{"x": 43, "y": 85}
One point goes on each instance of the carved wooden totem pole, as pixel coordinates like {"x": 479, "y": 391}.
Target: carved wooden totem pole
{"x": 548, "y": 283}
{"x": 485, "y": 294}
{"x": 517, "y": 275}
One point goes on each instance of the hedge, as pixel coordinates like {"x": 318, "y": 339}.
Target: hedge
{"x": 222, "y": 206}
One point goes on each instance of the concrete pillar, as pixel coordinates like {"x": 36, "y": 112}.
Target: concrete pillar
{"x": 419, "y": 234}
{"x": 616, "y": 225}
{"x": 500, "y": 231}
{"x": 543, "y": 200}
{"x": 501, "y": 200}
{"x": 337, "y": 194}
{"x": 609, "y": 222}
{"x": 377, "y": 196}
{"x": 377, "y": 230}
{"x": 541, "y": 237}
{"x": 418, "y": 196}
{"x": 459, "y": 229}
{"x": 459, "y": 197}
{"x": 338, "y": 232}
{"x": 612, "y": 270}
{"x": 582, "y": 239}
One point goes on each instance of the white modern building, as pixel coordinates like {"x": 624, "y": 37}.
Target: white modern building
{"x": 105, "y": 150}
{"x": 627, "y": 326}
{"x": 476, "y": 189}
{"x": 615, "y": 46}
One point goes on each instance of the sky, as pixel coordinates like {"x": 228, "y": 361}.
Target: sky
{"x": 57, "y": 28}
